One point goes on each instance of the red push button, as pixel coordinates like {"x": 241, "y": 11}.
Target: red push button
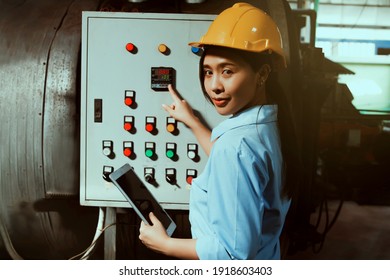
{"x": 127, "y": 152}
{"x": 149, "y": 127}
{"x": 189, "y": 179}
{"x": 128, "y": 101}
{"x": 128, "y": 126}
{"x": 128, "y": 148}
{"x": 128, "y": 123}
{"x": 129, "y": 97}
{"x": 150, "y": 124}
{"x": 190, "y": 175}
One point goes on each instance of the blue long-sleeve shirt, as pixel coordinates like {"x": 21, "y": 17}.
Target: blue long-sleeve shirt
{"x": 236, "y": 207}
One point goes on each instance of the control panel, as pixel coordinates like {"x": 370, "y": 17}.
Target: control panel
{"x": 128, "y": 60}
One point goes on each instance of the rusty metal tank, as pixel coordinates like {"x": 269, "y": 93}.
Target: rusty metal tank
{"x": 40, "y": 216}
{"x": 39, "y": 62}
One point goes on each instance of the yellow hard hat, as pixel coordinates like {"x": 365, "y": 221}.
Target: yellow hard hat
{"x": 247, "y": 28}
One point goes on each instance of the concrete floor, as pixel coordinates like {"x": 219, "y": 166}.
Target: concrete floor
{"x": 361, "y": 232}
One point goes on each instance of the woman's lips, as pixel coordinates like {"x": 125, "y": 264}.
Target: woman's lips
{"x": 220, "y": 102}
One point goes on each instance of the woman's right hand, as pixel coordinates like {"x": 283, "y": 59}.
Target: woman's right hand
{"x": 180, "y": 110}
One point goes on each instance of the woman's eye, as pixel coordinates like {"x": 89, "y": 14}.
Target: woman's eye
{"x": 207, "y": 72}
{"x": 227, "y": 72}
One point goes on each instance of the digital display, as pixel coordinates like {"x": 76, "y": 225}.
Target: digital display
{"x": 161, "y": 77}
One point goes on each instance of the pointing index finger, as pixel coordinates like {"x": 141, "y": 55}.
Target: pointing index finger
{"x": 173, "y": 94}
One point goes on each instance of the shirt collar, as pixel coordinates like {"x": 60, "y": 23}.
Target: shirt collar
{"x": 258, "y": 114}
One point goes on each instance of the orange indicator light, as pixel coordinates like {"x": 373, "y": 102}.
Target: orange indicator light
{"x": 162, "y": 48}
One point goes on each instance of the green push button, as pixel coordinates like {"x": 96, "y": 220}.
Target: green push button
{"x": 149, "y": 153}
{"x": 170, "y": 154}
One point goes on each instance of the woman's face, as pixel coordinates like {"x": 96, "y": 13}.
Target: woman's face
{"x": 230, "y": 82}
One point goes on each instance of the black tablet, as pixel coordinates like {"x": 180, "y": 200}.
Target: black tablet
{"x": 140, "y": 198}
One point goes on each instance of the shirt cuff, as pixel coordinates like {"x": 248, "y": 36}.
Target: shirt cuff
{"x": 209, "y": 248}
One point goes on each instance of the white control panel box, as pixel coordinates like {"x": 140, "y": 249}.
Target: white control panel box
{"x": 127, "y": 61}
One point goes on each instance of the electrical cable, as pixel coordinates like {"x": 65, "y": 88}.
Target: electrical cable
{"x": 86, "y": 253}
{"x": 99, "y": 230}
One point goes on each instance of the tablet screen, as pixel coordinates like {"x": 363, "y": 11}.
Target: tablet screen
{"x": 135, "y": 190}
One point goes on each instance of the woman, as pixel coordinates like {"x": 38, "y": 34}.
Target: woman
{"x": 239, "y": 203}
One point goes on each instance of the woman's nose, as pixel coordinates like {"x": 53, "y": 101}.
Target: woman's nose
{"x": 216, "y": 84}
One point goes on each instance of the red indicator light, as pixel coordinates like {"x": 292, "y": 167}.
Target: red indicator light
{"x": 130, "y": 47}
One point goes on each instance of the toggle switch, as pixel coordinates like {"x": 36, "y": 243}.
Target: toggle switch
{"x": 149, "y": 175}
{"x": 129, "y": 98}
{"x": 107, "y": 170}
{"x": 128, "y": 123}
{"x": 108, "y": 148}
{"x": 190, "y": 175}
{"x": 170, "y": 175}
{"x": 128, "y": 148}
{"x": 150, "y": 124}
{"x": 171, "y": 125}
{"x": 150, "y": 149}
{"x": 170, "y": 151}
{"x": 192, "y": 151}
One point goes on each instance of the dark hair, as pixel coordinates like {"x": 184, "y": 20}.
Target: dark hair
{"x": 274, "y": 95}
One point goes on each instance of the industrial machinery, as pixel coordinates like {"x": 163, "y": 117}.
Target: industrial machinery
{"x": 81, "y": 88}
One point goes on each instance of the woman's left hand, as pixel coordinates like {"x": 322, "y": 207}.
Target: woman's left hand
{"x": 154, "y": 236}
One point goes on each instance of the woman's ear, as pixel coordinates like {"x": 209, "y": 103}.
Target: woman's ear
{"x": 263, "y": 73}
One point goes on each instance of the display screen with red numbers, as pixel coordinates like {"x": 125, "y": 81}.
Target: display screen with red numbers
{"x": 161, "y": 77}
